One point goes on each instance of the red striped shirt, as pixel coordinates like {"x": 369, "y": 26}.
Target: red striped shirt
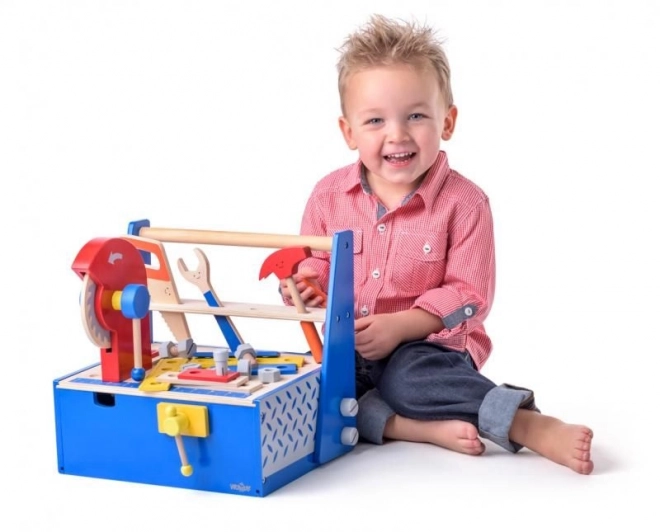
{"x": 435, "y": 251}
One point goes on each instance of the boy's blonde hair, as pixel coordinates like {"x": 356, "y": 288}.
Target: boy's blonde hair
{"x": 385, "y": 42}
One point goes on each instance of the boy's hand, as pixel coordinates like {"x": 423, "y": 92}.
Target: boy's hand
{"x": 377, "y": 336}
{"x": 303, "y": 278}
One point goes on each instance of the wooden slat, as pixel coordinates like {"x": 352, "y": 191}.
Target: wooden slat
{"x": 247, "y": 310}
{"x": 243, "y": 384}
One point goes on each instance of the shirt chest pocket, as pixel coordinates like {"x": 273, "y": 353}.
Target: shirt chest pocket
{"x": 358, "y": 256}
{"x": 419, "y": 262}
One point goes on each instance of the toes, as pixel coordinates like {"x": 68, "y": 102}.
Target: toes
{"x": 581, "y": 455}
{"x": 473, "y": 446}
{"x": 477, "y": 450}
{"x": 583, "y": 445}
{"x": 587, "y": 434}
{"x": 470, "y": 432}
{"x": 586, "y": 468}
{"x": 581, "y": 467}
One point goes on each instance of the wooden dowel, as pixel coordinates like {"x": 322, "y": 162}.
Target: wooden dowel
{"x": 295, "y": 296}
{"x": 186, "y": 468}
{"x": 244, "y": 310}
{"x": 182, "y": 450}
{"x": 137, "y": 344}
{"x": 226, "y": 238}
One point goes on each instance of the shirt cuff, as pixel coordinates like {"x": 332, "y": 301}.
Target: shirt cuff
{"x": 449, "y": 307}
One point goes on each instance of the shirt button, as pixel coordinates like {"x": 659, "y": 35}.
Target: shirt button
{"x": 364, "y": 311}
{"x": 427, "y": 248}
{"x": 381, "y": 228}
{"x": 468, "y": 311}
{"x": 375, "y": 274}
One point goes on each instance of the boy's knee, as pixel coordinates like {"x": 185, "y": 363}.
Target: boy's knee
{"x": 399, "y": 395}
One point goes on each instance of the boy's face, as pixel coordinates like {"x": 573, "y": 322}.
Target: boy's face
{"x": 395, "y": 117}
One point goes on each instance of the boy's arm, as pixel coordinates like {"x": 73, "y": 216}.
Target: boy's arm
{"x": 466, "y": 295}
{"x": 417, "y": 324}
{"x": 458, "y": 305}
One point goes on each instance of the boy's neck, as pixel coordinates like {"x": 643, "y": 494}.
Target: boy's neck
{"x": 391, "y": 195}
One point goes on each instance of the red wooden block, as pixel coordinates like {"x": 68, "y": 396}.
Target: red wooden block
{"x": 208, "y": 375}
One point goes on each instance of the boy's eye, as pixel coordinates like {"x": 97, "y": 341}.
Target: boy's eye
{"x": 416, "y": 116}
{"x": 374, "y": 121}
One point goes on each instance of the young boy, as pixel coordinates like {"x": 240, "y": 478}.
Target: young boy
{"x": 424, "y": 260}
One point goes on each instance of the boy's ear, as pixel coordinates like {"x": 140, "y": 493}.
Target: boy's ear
{"x": 449, "y": 123}
{"x": 347, "y": 131}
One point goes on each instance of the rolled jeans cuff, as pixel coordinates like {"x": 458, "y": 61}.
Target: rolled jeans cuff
{"x": 497, "y": 411}
{"x": 372, "y": 416}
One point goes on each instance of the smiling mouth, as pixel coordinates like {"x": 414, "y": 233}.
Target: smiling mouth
{"x": 399, "y": 157}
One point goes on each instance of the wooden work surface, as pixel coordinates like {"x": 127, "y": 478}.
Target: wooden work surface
{"x": 89, "y": 380}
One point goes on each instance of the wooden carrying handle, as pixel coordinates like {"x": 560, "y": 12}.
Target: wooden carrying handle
{"x": 227, "y": 238}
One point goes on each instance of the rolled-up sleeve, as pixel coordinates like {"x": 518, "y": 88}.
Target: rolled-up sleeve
{"x": 465, "y": 297}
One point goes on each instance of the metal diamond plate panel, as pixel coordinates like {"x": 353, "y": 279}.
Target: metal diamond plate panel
{"x": 288, "y": 424}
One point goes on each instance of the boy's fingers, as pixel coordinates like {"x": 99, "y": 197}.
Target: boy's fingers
{"x": 306, "y": 293}
{"x": 302, "y": 276}
{"x": 361, "y": 340}
{"x": 308, "y": 272}
{"x": 314, "y": 287}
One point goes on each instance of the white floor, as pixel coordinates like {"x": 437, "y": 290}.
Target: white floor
{"x": 397, "y": 485}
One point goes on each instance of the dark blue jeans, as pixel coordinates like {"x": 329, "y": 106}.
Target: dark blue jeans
{"x": 425, "y": 381}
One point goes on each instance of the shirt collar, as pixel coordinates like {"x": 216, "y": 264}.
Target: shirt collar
{"x": 427, "y": 190}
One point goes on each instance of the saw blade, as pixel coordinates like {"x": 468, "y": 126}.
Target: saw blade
{"x": 95, "y": 332}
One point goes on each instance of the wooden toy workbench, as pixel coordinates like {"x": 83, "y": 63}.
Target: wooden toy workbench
{"x": 225, "y": 418}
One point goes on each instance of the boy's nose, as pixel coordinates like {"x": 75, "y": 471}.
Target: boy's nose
{"x": 397, "y": 132}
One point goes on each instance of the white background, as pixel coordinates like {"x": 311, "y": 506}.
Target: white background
{"x": 222, "y": 115}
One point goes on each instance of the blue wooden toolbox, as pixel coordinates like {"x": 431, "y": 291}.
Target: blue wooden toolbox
{"x": 132, "y": 417}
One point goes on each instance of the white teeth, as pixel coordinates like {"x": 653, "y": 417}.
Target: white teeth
{"x": 399, "y": 155}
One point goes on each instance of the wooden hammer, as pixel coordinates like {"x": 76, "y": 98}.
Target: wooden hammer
{"x": 284, "y": 263}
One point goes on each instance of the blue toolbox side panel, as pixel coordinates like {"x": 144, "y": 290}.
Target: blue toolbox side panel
{"x": 116, "y": 437}
{"x": 338, "y": 370}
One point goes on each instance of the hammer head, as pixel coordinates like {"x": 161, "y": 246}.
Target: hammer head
{"x": 284, "y": 262}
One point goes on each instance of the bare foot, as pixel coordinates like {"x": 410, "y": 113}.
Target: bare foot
{"x": 457, "y": 435}
{"x": 563, "y": 443}
{"x": 454, "y": 435}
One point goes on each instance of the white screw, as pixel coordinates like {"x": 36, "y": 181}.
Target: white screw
{"x": 348, "y": 407}
{"x": 349, "y": 436}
